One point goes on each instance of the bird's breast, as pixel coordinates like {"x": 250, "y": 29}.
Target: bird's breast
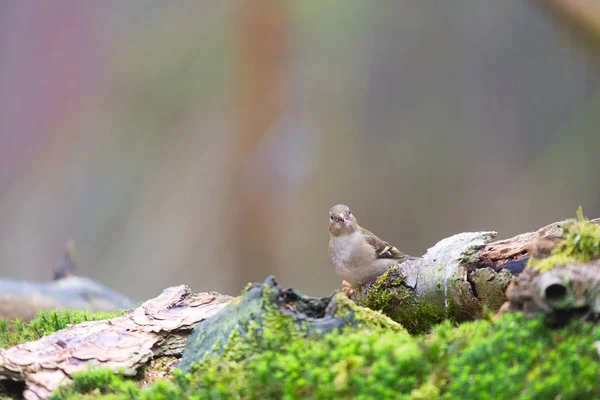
{"x": 344, "y": 250}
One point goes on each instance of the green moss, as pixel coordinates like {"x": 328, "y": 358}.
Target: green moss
{"x": 513, "y": 357}
{"x": 427, "y": 391}
{"x": 419, "y": 318}
{"x": 469, "y": 254}
{"x": 246, "y": 288}
{"x": 96, "y": 382}
{"x": 379, "y": 294}
{"x": 390, "y": 297}
{"x": 454, "y": 313}
{"x": 548, "y": 263}
{"x": 340, "y": 363}
{"x": 517, "y": 358}
{"x": 368, "y": 318}
{"x": 45, "y": 323}
{"x": 268, "y": 315}
{"x": 581, "y": 244}
{"x": 279, "y": 329}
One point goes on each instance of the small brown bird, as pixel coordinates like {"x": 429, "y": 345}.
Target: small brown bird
{"x": 357, "y": 255}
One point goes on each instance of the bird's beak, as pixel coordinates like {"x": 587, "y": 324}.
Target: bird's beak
{"x": 341, "y": 217}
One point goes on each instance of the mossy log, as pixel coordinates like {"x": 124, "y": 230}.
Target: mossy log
{"x": 264, "y": 320}
{"x": 160, "y": 326}
{"x": 562, "y": 294}
{"x": 23, "y": 300}
{"x": 458, "y": 279}
{"x": 288, "y": 356}
{"x": 265, "y": 308}
{"x": 455, "y": 279}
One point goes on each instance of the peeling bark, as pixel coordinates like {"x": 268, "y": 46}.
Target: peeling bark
{"x": 506, "y": 253}
{"x": 158, "y": 327}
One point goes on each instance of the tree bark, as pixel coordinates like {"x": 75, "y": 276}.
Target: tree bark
{"x": 160, "y": 326}
{"x": 562, "y": 294}
{"x": 459, "y": 278}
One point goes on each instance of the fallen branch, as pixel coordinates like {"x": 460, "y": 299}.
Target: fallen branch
{"x": 457, "y": 279}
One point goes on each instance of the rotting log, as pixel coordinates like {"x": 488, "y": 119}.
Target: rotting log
{"x": 561, "y": 294}
{"x": 458, "y": 278}
{"x": 267, "y": 306}
{"x": 158, "y": 327}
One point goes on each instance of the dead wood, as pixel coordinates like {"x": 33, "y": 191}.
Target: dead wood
{"x": 158, "y": 327}
{"x": 561, "y": 294}
{"x": 502, "y": 254}
{"x": 457, "y": 278}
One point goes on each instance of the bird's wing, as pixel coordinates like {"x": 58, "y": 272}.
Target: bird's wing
{"x": 382, "y": 248}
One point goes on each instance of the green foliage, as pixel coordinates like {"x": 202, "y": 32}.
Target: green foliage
{"x": 581, "y": 244}
{"x": 45, "y": 323}
{"x": 510, "y": 358}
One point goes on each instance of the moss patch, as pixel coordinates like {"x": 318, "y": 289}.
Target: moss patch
{"x": 377, "y": 295}
{"x": 45, "y": 323}
{"x": 267, "y": 316}
{"x": 422, "y": 292}
{"x": 517, "y": 358}
{"x": 390, "y": 297}
{"x": 581, "y": 244}
{"x": 510, "y": 358}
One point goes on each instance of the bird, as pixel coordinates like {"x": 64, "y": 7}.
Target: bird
{"x": 357, "y": 255}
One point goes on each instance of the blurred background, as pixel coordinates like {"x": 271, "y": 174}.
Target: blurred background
{"x": 203, "y": 142}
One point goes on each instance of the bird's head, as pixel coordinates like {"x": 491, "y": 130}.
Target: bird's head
{"x": 341, "y": 220}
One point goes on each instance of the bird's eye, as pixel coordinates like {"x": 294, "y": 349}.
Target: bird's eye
{"x": 331, "y": 217}
{"x": 349, "y": 212}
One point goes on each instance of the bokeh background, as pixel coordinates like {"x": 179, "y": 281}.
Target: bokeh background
{"x": 203, "y": 142}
